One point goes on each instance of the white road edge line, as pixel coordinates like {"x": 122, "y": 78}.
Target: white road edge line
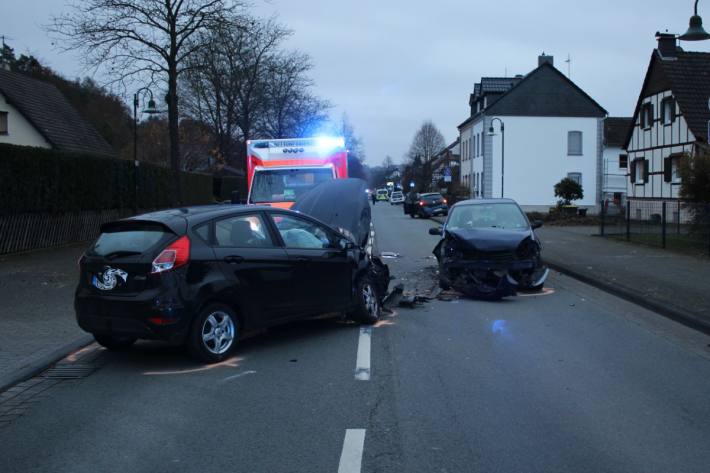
{"x": 351, "y": 456}
{"x": 362, "y": 365}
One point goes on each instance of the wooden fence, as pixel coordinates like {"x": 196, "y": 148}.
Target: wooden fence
{"x": 25, "y": 232}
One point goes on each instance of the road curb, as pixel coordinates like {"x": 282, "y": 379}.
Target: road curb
{"x": 678, "y": 315}
{"x": 40, "y": 364}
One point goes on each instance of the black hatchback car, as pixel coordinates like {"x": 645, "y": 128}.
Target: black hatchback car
{"x": 206, "y": 275}
{"x": 430, "y": 204}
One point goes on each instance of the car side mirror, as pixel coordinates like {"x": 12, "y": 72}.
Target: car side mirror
{"x": 345, "y": 244}
{"x": 438, "y": 231}
{"x": 536, "y": 224}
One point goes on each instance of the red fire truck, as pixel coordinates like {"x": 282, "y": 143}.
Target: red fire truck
{"x": 278, "y": 171}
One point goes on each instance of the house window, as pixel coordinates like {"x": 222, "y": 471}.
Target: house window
{"x": 675, "y": 169}
{"x": 575, "y": 176}
{"x": 647, "y": 115}
{"x": 668, "y": 110}
{"x": 574, "y": 143}
{"x": 640, "y": 171}
{"x": 3, "y": 123}
{"x": 623, "y": 161}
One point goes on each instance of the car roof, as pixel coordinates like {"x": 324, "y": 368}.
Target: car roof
{"x": 484, "y": 201}
{"x": 177, "y": 219}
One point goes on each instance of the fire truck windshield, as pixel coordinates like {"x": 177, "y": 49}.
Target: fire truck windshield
{"x": 286, "y": 185}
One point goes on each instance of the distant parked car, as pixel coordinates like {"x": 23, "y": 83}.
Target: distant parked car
{"x": 396, "y": 198}
{"x": 382, "y": 194}
{"x": 429, "y": 205}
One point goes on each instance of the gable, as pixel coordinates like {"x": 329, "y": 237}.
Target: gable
{"x": 50, "y": 113}
{"x": 546, "y": 92}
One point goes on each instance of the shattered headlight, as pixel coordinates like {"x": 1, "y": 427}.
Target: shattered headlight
{"x": 528, "y": 249}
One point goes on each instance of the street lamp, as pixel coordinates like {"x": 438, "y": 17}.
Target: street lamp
{"x": 695, "y": 32}
{"x": 491, "y": 132}
{"x": 151, "y": 110}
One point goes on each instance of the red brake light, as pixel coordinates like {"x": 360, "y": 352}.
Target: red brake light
{"x": 174, "y": 256}
{"x": 421, "y": 202}
{"x": 444, "y": 200}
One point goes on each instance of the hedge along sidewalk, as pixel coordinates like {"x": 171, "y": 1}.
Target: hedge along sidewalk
{"x": 37, "y": 324}
{"x": 670, "y": 284}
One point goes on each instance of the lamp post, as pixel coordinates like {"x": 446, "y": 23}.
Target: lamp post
{"x": 695, "y": 32}
{"x": 491, "y": 132}
{"x": 151, "y": 110}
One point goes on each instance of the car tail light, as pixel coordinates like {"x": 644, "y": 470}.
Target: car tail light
{"x": 174, "y": 256}
{"x": 444, "y": 201}
{"x": 421, "y": 203}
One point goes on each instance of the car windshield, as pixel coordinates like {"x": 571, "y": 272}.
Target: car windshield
{"x": 397, "y": 194}
{"x": 495, "y": 215}
{"x": 286, "y": 185}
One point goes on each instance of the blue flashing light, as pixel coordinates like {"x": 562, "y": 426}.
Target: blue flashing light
{"x": 327, "y": 143}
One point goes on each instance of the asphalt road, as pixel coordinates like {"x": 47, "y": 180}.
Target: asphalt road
{"x": 573, "y": 380}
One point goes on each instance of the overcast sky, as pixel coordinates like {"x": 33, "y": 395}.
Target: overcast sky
{"x": 391, "y": 64}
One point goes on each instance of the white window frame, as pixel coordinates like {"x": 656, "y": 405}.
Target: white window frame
{"x": 570, "y": 151}
{"x": 668, "y": 110}
{"x": 575, "y": 176}
{"x": 675, "y": 169}
{"x": 640, "y": 171}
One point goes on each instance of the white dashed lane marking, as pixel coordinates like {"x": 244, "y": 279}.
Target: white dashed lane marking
{"x": 351, "y": 456}
{"x": 362, "y": 365}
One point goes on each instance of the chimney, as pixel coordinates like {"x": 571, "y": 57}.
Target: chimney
{"x": 543, "y": 59}
{"x": 667, "y": 45}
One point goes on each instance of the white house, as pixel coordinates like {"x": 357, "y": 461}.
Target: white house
{"x": 670, "y": 122}
{"x": 615, "y": 161}
{"x": 550, "y": 129}
{"x": 35, "y": 113}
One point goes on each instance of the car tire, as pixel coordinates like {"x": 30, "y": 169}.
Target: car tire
{"x": 114, "y": 342}
{"x": 213, "y": 334}
{"x": 443, "y": 285}
{"x": 367, "y": 304}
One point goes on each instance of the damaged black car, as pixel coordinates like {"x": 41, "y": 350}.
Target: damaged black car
{"x": 489, "y": 250}
{"x": 205, "y": 276}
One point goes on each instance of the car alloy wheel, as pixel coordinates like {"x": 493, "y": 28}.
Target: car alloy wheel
{"x": 370, "y": 301}
{"x": 218, "y": 332}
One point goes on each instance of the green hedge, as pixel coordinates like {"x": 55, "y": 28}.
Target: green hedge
{"x": 41, "y": 180}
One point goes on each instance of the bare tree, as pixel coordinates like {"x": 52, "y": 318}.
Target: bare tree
{"x": 427, "y": 142}
{"x": 291, "y": 109}
{"x": 144, "y": 38}
{"x": 227, "y": 83}
{"x": 388, "y": 163}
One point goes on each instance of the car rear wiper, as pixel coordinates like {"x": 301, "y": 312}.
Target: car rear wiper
{"x": 119, "y": 253}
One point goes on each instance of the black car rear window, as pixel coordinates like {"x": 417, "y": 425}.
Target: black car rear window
{"x": 431, "y": 198}
{"x": 132, "y": 239}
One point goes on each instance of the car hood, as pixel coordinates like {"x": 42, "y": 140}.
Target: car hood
{"x": 490, "y": 239}
{"x": 342, "y": 204}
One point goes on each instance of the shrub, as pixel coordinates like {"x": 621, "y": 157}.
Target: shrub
{"x": 568, "y": 190}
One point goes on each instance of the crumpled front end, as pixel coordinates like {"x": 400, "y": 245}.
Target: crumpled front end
{"x": 490, "y": 275}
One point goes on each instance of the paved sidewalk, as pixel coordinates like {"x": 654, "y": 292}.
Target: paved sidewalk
{"x": 675, "y": 285}
{"x": 37, "y": 323}
{"x": 671, "y": 284}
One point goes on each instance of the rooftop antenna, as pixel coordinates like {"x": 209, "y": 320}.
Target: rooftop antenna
{"x": 569, "y": 66}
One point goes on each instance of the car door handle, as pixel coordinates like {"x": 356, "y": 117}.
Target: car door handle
{"x": 234, "y": 259}
{"x": 303, "y": 259}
